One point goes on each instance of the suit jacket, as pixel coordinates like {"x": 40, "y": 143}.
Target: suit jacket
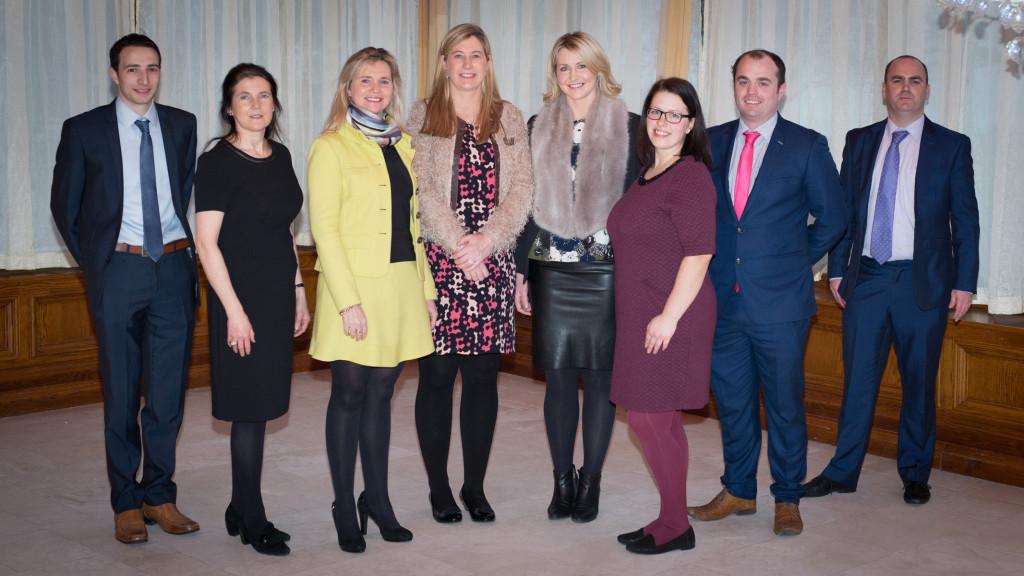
{"x": 350, "y": 214}
{"x": 87, "y": 195}
{"x": 770, "y": 250}
{"x": 946, "y": 228}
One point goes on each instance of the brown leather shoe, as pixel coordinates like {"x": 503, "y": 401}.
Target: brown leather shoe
{"x": 169, "y": 518}
{"x": 129, "y": 528}
{"x": 721, "y": 506}
{"x": 787, "y": 519}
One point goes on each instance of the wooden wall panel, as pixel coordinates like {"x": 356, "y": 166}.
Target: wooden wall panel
{"x": 8, "y": 349}
{"x": 48, "y": 360}
{"x": 980, "y": 392}
{"x": 48, "y": 354}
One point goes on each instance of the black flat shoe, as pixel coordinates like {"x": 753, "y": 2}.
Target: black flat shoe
{"x": 588, "y": 494}
{"x": 348, "y": 542}
{"x": 232, "y": 521}
{"x": 916, "y": 492}
{"x": 646, "y": 545}
{"x": 447, "y": 512}
{"x": 268, "y": 542}
{"x": 477, "y": 505}
{"x": 564, "y": 495}
{"x": 822, "y": 486}
{"x": 631, "y": 537}
{"x": 391, "y": 533}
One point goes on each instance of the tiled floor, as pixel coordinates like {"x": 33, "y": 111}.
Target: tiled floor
{"x": 55, "y": 517}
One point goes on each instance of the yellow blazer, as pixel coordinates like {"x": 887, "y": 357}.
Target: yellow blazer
{"x": 350, "y": 216}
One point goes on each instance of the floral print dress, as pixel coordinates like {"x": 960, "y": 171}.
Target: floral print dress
{"x": 474, "y": 317}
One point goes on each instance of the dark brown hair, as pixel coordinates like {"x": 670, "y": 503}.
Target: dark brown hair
{"x": 132, "y": 40}
{"x": 696, "y": 143}
{"x": 227, "y": 92}
{"x": 759, "y": 53}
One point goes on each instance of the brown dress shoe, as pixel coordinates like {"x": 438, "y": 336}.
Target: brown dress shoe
{"x": 129, "y": 528}
{"x": 721, "y": 506}
{"x": 169, "y": 518}
{"x": 787, "y": 519}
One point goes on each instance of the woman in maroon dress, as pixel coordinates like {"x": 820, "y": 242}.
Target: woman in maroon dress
{"x": 663, "y": 230}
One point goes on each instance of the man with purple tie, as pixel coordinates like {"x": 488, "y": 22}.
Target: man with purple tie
{"x": 121, "y": 187}
{"x": 771, "y": 176}
{"x": 910, "y": 252}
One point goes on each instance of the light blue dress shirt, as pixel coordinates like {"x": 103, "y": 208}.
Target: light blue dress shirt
{"x": 130, "y": 137}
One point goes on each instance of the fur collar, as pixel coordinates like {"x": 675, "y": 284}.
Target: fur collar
{"x": 600, "y": 168}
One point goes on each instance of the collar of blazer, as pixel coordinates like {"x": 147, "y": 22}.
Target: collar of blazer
{"x": 773, "y": 156}
{"x": 927, "y": 165}
{"x": 170, "y": 139}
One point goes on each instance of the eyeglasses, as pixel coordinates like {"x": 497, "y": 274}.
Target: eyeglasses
{"x": 670, "y": 117}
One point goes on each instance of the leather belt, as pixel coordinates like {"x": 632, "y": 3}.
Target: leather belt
{"x": 140, "y": 251}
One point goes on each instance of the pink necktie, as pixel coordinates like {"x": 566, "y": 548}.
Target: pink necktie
{"x": 741, "y": 191}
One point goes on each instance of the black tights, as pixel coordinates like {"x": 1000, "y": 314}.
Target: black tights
{"x": 359, "y": 416}
{"x": 561, "y": 415}
{"x": 478, "y": 412}
{"x": 246, "y": 472}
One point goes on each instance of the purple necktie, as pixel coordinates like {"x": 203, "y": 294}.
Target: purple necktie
{"x": 885, "y": 203}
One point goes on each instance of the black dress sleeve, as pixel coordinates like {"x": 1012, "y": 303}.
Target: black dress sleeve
{"x": 211, "y": 190}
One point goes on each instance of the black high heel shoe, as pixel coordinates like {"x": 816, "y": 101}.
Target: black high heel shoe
{"x": 267, "y": 542}
{"x": 447, "y": 514}
{"x": 477, "y": 505}
{"x": 232, "y": 521}
{"x": 396, "y": 533}
{"x": 348, "y": 543}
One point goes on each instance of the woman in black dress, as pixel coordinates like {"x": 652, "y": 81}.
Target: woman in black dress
{"x": 246, "y": 198}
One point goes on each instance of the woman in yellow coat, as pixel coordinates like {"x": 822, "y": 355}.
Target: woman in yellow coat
{"x": 375, "y": 294}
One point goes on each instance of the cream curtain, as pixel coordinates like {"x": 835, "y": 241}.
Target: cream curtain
{"x": 522, "y": 32}
{"x": 55, "y": 57}
{"x": 55, "y": 64}
{"x": 835, "y": 53}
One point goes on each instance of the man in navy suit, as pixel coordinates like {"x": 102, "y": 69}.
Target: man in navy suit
{"x": 911, "y": 252}
{"x": 771, "y": 175}
{"x": 121, "y": 187}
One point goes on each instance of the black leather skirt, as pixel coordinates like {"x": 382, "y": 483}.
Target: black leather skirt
{"x": 573, "y": 314}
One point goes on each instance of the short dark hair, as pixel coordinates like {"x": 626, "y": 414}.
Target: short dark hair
{"x": 131, "y": 40}
{"x": 885, "y": 78}
{"x": 759, "y": 53}
{"x": 227, "y": 92}
{"x": 696, "y": 143}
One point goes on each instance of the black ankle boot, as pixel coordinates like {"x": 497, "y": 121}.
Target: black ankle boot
{"x": 564, "y": 496}
{"x": 588, "y": 493}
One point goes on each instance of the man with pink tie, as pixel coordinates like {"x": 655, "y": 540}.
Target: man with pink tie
{"x": 771, "y": 174}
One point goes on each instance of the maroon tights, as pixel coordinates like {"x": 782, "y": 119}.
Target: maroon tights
{"x": 663, "y": 442}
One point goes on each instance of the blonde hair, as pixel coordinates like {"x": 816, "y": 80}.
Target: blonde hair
{"x": 592, "y": 55}
{"x": 339, "y": 107}
{"x": 440, "y": 119}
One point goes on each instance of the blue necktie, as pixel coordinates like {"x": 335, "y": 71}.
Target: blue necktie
{"x": 885, "y": 203}
{"x": 151, "y": 228}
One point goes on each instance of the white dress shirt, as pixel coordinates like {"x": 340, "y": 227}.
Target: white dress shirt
{"x": 760, "y": 146}
{"x": 903, "y": 213}
{"x": 130, "y": 137}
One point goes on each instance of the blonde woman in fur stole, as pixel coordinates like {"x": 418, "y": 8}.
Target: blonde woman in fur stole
{"x": 583, "y": 160}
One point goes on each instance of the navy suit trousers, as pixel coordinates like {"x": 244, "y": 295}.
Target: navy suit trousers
{"x": 144, "y": 320}
{"x": 749, "y": 358}
{"x": 881, "y": 313}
